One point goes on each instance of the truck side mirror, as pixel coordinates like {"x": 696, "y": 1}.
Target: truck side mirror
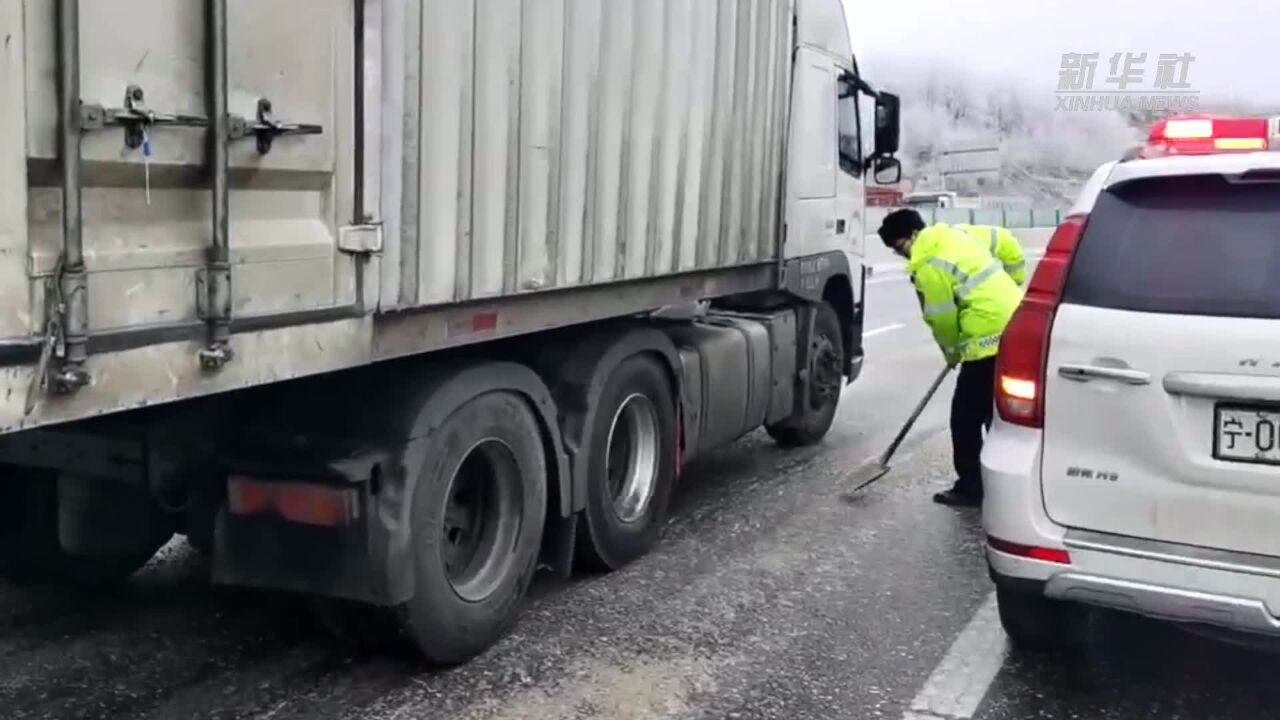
{"x": 887, "y": 170}
{"x": 888, "y": 124}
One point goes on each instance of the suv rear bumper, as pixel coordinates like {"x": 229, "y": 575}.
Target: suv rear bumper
{"x": 1164, "y": 602}
{"x": 1230, "y": 590}
{"x": 1129, "y": 594}
{"x": 1169, "y": 581}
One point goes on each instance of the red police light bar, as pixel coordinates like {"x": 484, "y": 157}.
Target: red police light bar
{"x": 1203, "y": 134}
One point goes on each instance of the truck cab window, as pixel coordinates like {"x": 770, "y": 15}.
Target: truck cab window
{"x": 850, "y": 126}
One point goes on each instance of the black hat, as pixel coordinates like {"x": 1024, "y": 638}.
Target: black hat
{"x": 899, "y": 225}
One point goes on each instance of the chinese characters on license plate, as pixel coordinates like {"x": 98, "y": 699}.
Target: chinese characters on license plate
{"x": 1247, "y": 435}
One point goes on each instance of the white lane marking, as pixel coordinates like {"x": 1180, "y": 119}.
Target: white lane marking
{"x": 960, "y": 682}
{"x": 884, "y": 329}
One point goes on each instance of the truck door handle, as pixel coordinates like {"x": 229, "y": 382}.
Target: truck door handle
{"x": 1085, "y": 373}
{"x": 839, "y": 226}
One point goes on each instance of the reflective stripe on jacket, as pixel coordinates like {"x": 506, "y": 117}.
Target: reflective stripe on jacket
{"x": 1003, "y": 245}
{"x": 965, "y": 295}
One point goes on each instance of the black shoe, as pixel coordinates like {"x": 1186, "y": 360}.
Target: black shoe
{"x": 956, "y": 498}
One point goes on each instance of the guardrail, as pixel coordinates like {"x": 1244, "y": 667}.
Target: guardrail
{"x": 1003, "y": 217}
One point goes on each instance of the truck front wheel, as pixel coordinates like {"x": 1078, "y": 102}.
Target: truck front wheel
{"x": 631, "y": 465}
{"x": 478, "y": 511}
{"x": 826, "y": 378}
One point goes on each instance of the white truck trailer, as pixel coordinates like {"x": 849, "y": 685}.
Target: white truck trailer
{"x": 392, "y": 302}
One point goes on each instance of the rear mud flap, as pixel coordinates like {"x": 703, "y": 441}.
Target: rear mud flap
{"x": 366, "y": 561}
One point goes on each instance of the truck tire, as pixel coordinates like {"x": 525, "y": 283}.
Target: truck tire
{"x": 1039, "y": 624}
{"x": 477, "y": 517}
{"x": 631, "y": 465}
{"x": 30, "y": 551}
{"x": 826, "y": 379}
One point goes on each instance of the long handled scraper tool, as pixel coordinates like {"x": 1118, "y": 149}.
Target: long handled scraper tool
{"x": 876, "y": 468}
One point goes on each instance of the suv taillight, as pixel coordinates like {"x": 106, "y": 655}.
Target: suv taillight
{"x": 1024, "y": 347}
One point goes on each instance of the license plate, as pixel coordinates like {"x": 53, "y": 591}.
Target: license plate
{"x": 1247, "y": 435}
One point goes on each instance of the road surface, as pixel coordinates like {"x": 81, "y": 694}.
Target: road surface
{"x": 769, "y": 597}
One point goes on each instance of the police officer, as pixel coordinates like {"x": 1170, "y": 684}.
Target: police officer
{"x": 967, "y": 299}
{"x": 1002, "y": 245}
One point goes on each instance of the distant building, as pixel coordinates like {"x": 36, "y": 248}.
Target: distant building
{"x": 878, "y": 196}
{"x": 931, "y": 198}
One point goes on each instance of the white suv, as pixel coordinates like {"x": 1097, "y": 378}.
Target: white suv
{"x": 1135, "y": 459}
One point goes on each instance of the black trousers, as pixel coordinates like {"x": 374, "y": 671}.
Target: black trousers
{"x": 972, "y": 409}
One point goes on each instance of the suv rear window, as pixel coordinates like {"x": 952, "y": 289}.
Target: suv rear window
{"x": 1198, "y": 245}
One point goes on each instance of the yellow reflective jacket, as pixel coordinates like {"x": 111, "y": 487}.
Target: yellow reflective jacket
{"x": 1003, "y": 245}
{"x": 965, "y": 295}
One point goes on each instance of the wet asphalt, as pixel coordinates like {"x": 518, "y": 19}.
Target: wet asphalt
{"x": 770, "y": 596}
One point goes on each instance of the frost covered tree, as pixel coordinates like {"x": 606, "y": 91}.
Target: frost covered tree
{"x": 1045, "y": 153}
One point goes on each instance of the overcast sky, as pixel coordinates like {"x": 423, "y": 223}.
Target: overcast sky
{"x": 1234, "y": 41}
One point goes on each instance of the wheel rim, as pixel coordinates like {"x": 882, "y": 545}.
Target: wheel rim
{"x": 632, "y": 457}
{"x": 482, "y": 519}
{"x": 824, "y": 384}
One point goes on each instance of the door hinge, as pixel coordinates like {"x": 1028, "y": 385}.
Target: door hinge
{"x": 213, "y": 292}
{"x": 360, "y": 239}
{"x": 213, "y": 303}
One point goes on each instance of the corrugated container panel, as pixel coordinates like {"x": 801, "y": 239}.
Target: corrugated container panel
{"x": 702, "y": 74}
{"x": 496, "y": 151}
{"x": 542, "y": 61}
{"x": 552, "y": 143}
{"x": 582, "y": 51}
{"x": 769, "y": 125}
{"x": 711, "y": 235}
{"x": 610, "y": 105}
{"x": 437, "y": 188}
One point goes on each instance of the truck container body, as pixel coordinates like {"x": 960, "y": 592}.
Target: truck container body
{"x": 474, "y": 152}
{"x": 484, "y": 274}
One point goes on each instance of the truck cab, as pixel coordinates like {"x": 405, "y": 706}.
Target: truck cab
{"x": 833, "y": 155}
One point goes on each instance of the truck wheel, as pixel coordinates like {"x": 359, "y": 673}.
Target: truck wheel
{"x": 477, "y": 518}
{"x": 631, "y": 465}
{"x": 826, "y": 379}
{"x": 1040, "y": 624}
{"x": 30, "y": 551}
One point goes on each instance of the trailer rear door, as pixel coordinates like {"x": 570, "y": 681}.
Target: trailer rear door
{"x": 147, "y": 219}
